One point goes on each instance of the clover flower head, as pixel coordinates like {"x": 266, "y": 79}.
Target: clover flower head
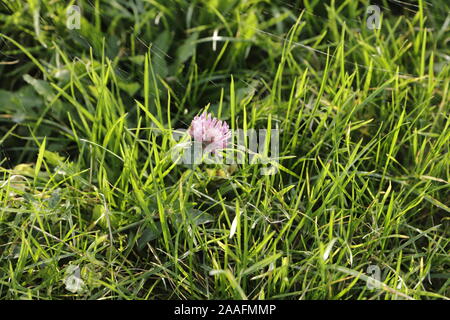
{"x": 211, "y": 132}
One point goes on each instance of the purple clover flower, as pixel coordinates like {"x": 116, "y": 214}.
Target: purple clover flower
{"x": 211, "y": 132}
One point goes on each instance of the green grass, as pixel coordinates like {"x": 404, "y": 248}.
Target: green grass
{"x": 87, "y": 179}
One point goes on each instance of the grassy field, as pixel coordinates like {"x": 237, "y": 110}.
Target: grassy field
{"x": 92, "y": 205}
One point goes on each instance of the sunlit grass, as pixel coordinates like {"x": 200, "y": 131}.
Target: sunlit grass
{"x": 87, "y": 177}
